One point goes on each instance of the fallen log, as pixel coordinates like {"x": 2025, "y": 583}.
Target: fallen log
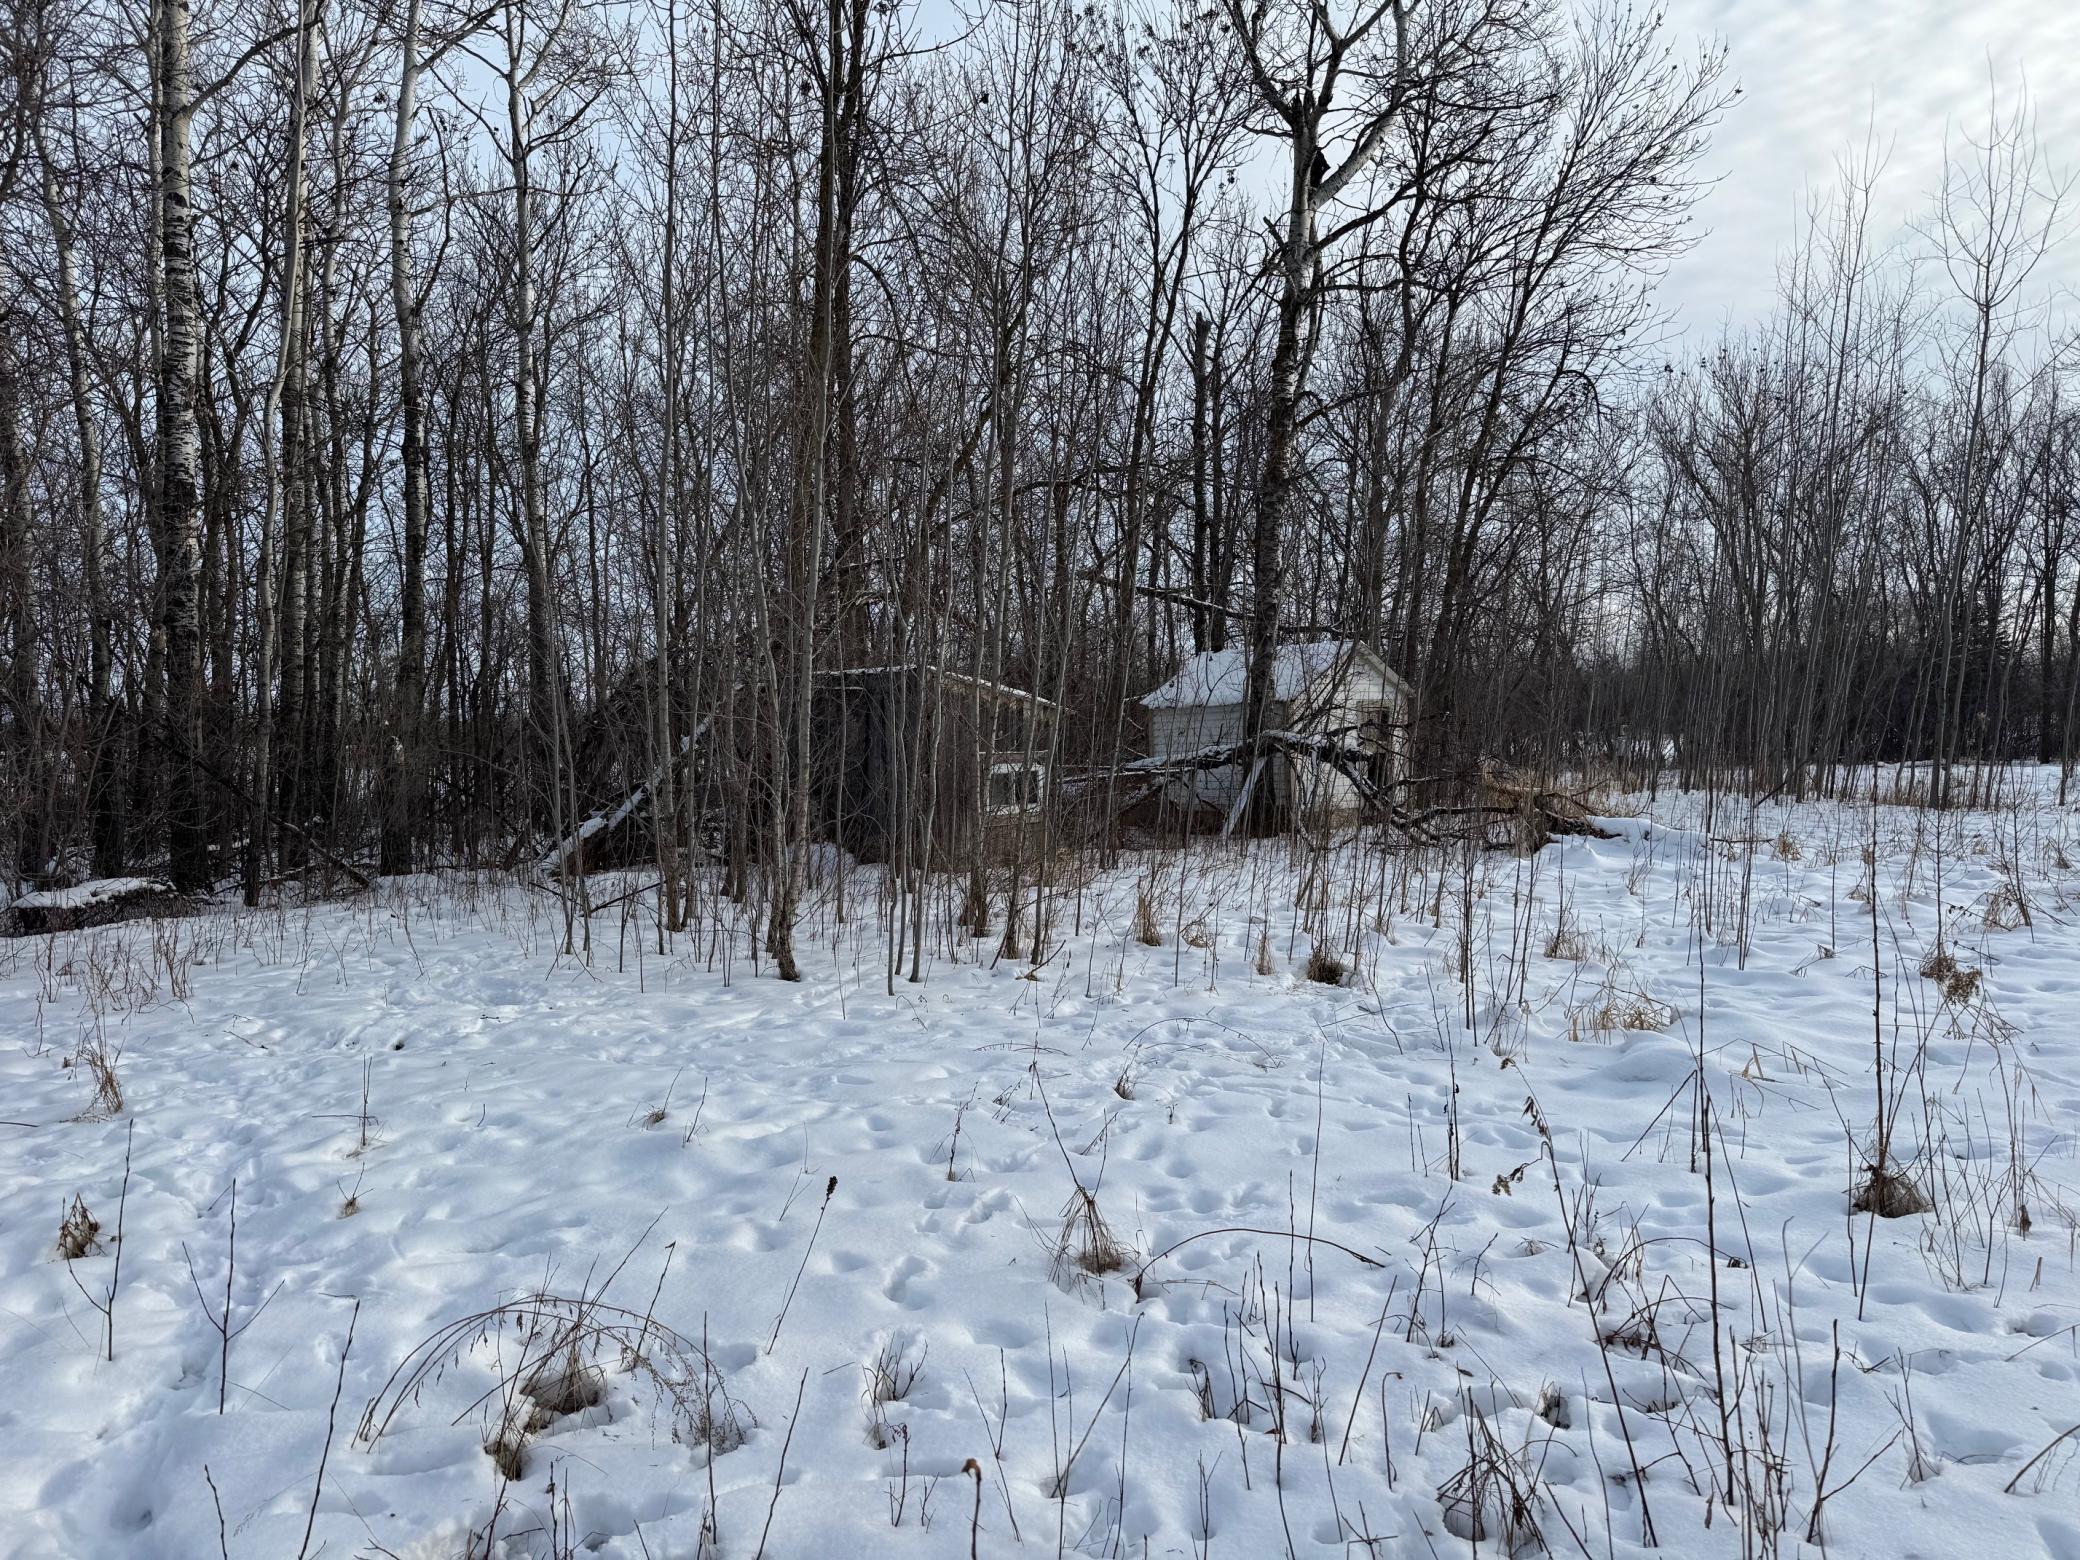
{"x": 624, "y": 833}
{"x": 1509, "y": 812}
{"x": 94, "y": 903}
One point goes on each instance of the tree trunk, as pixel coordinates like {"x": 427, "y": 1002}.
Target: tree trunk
{"x": 408, "y": 692}
{"x": 284, "y": 474}
{"x": 104, "y": 787}
{"x": 1275, "y": 486}
{"x": 845, "y": 26}
{"x": 179, "y": 454}
{"x": 25, "y": 702}
{"x": 542, "y": 712}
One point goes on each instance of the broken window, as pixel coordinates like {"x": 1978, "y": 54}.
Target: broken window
{"x": 1016, "y": 786}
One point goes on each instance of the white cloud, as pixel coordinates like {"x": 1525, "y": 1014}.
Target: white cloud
{"x": 1818, "y": 77}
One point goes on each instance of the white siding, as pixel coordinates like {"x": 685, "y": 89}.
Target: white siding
{"x": 1189, "y": 728}
{"x": 1353, "y": 698}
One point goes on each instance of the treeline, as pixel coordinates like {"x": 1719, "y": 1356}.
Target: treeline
{"x": 1853, "y": 536}
{"x": 420, "y": 421}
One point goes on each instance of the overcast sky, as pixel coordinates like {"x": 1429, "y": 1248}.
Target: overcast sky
{"x": 1816, "y": 76}
{"x": 1821, "y": 78}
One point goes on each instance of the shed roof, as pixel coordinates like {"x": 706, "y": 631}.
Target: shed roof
{"x": 1002, "y": 693}
{"x": 1218, "y": 677}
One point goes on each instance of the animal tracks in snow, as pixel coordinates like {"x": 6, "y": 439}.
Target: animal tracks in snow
{"x": 1269, "y": 1156}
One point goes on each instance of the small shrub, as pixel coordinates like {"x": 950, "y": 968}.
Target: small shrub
{"x": 1633, "y": 1010}
{"x": 98, "y": 1061}
{"x": 2006, "y": 909}
{"x": 561, "y": 1386}
{"x": 1567, "y": 942}
{"x": 890, "y": 1377}
{"x": 78, "y": 1231}
{"x": 1324, "y": 967}
{"x": 1145, "y": 930}
{"x": 1890, "y": 1194}
{"x": 1958, "y": 982}
{"x": 1086, "y": 1246}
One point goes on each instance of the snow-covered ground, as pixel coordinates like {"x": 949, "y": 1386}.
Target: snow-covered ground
{"x": 801, "y": 1244}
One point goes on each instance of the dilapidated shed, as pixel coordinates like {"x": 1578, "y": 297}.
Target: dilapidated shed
{"x": 1319, "y": 688}
{"x": 909, "y": 763}
{"x": 919, "y": 763}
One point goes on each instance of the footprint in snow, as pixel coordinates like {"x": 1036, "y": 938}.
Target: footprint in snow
{"x": 987, "y": 1207}
{"x": 898, "y": 1285}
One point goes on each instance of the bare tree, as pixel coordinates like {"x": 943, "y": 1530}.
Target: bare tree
{"x": 1332, "y": 89}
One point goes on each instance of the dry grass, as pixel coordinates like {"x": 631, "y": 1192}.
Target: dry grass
{"x": 564, "y": 1345}
{"x": 97, "y": 1059}
{"x": 1958, "y": 982}
{"x": 896, "y": 1369}
{"x": 1890, "y": 1194}
{"x": 2007, "y": 909}
{"x": 508, "y": 1453}
{"x": 890, "y": 1377}
{"x": 1146, "y": 932}
{"x": 1086, "y": 1247}
{"x": 568, "y": 1384}
{"x": 1569, "y": 943}
{"x": 78, "y": 1231}
{"x": 1495, "y": 1498}
{"x": 1324, "y": 967}
{"x": 1619, "y": 1009}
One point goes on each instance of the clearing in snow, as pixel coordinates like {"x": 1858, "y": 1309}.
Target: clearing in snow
{"x": 1710, "y": 1186}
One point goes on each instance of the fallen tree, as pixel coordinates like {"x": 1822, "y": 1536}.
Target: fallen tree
{"x": 625, "y": 833}
{"x": 94, "y": 903}
{"x": 1505, "y": 810}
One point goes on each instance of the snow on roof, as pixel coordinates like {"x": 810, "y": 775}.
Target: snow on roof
{"x": 1222, "y": 676}
{"x": 996, "y": 690}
